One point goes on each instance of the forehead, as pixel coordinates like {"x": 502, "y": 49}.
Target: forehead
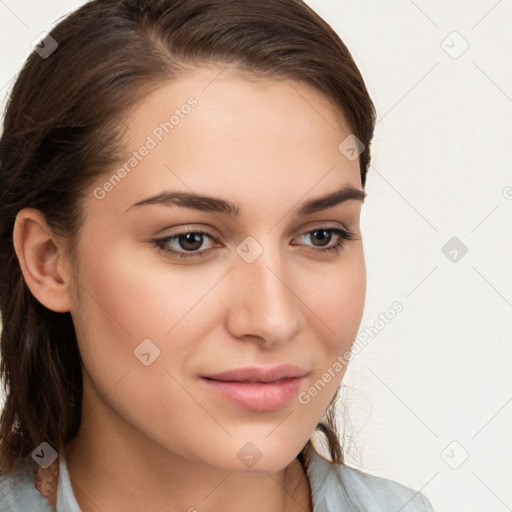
{"x": 216, "y": 132}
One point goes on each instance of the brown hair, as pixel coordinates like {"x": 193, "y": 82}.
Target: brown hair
{"x": 63, "y": 128}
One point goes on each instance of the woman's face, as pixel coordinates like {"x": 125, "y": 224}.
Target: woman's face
{"x": 262, "y": 288}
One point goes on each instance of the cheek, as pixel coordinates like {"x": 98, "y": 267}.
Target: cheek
{"x": 127, "y": 298}
{"x": 335, "y": 308}
{"x": 123, "y": 302}
{"x": 336, "y": 296}
{"x": 136, "y": 296}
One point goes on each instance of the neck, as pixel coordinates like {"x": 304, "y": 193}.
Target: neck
{"x": 112, "y": 468}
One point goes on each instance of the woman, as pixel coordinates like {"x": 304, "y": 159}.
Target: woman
{"x": 183, "y": 265}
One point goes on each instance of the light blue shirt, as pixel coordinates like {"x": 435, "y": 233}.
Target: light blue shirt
{"x": 334, "y": 487}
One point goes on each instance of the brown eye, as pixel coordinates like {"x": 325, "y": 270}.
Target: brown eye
{"x": 321, "y": 235}
{"x": 324, "y": 236}
{"x": 187, "y": 242}
{"x": 190, "y": 241}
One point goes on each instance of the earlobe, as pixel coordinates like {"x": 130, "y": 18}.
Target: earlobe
{"x": 41, "y": 254}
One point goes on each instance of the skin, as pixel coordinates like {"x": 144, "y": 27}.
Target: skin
{"x": 153, "y": 437}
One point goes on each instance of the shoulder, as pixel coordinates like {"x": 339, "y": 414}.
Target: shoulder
{"x": 17, "y": 492}
{"x": 370, "y": 491}
{"x": 338, "y": 487}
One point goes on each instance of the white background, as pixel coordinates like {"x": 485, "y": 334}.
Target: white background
{"x": 429, "y": 396}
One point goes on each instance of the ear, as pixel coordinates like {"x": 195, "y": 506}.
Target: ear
{"x": 43, "y": 261}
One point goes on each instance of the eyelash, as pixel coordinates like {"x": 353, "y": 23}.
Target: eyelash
{"x": 161, "y": 243}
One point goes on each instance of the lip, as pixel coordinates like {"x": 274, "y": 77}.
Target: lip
{"x": 284, "y": 371}
{"x": 273, "y": 389}
{"x": 259, "y": 396}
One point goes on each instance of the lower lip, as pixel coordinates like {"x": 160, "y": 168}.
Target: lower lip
{"x": 260, "y": 397}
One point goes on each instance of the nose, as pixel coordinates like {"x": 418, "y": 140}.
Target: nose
{"x": 263, "y": 304}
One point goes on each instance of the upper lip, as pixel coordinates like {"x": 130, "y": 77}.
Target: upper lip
{"x": 285, "y": 371}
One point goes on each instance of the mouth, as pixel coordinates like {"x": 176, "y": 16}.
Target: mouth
{"x": 250, "y": 381}
{"x": 259, "y": 375}
{"x": 255, "y": 395}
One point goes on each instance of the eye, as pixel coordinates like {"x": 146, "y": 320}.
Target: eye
{"x": 324, "y": 236}
{"x": 188, "y": 243}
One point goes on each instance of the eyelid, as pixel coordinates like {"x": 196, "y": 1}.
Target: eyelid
{"x": 191, "y": 228}
{"x": 183, "y": 230}
{"x": 324, "y": 225}
{"x": 327, "y": 225}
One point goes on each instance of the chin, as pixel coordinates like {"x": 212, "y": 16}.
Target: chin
{"x": 258, "y": 457}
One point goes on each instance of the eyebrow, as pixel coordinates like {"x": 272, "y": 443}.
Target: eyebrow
{"x": 217, "y": 205}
